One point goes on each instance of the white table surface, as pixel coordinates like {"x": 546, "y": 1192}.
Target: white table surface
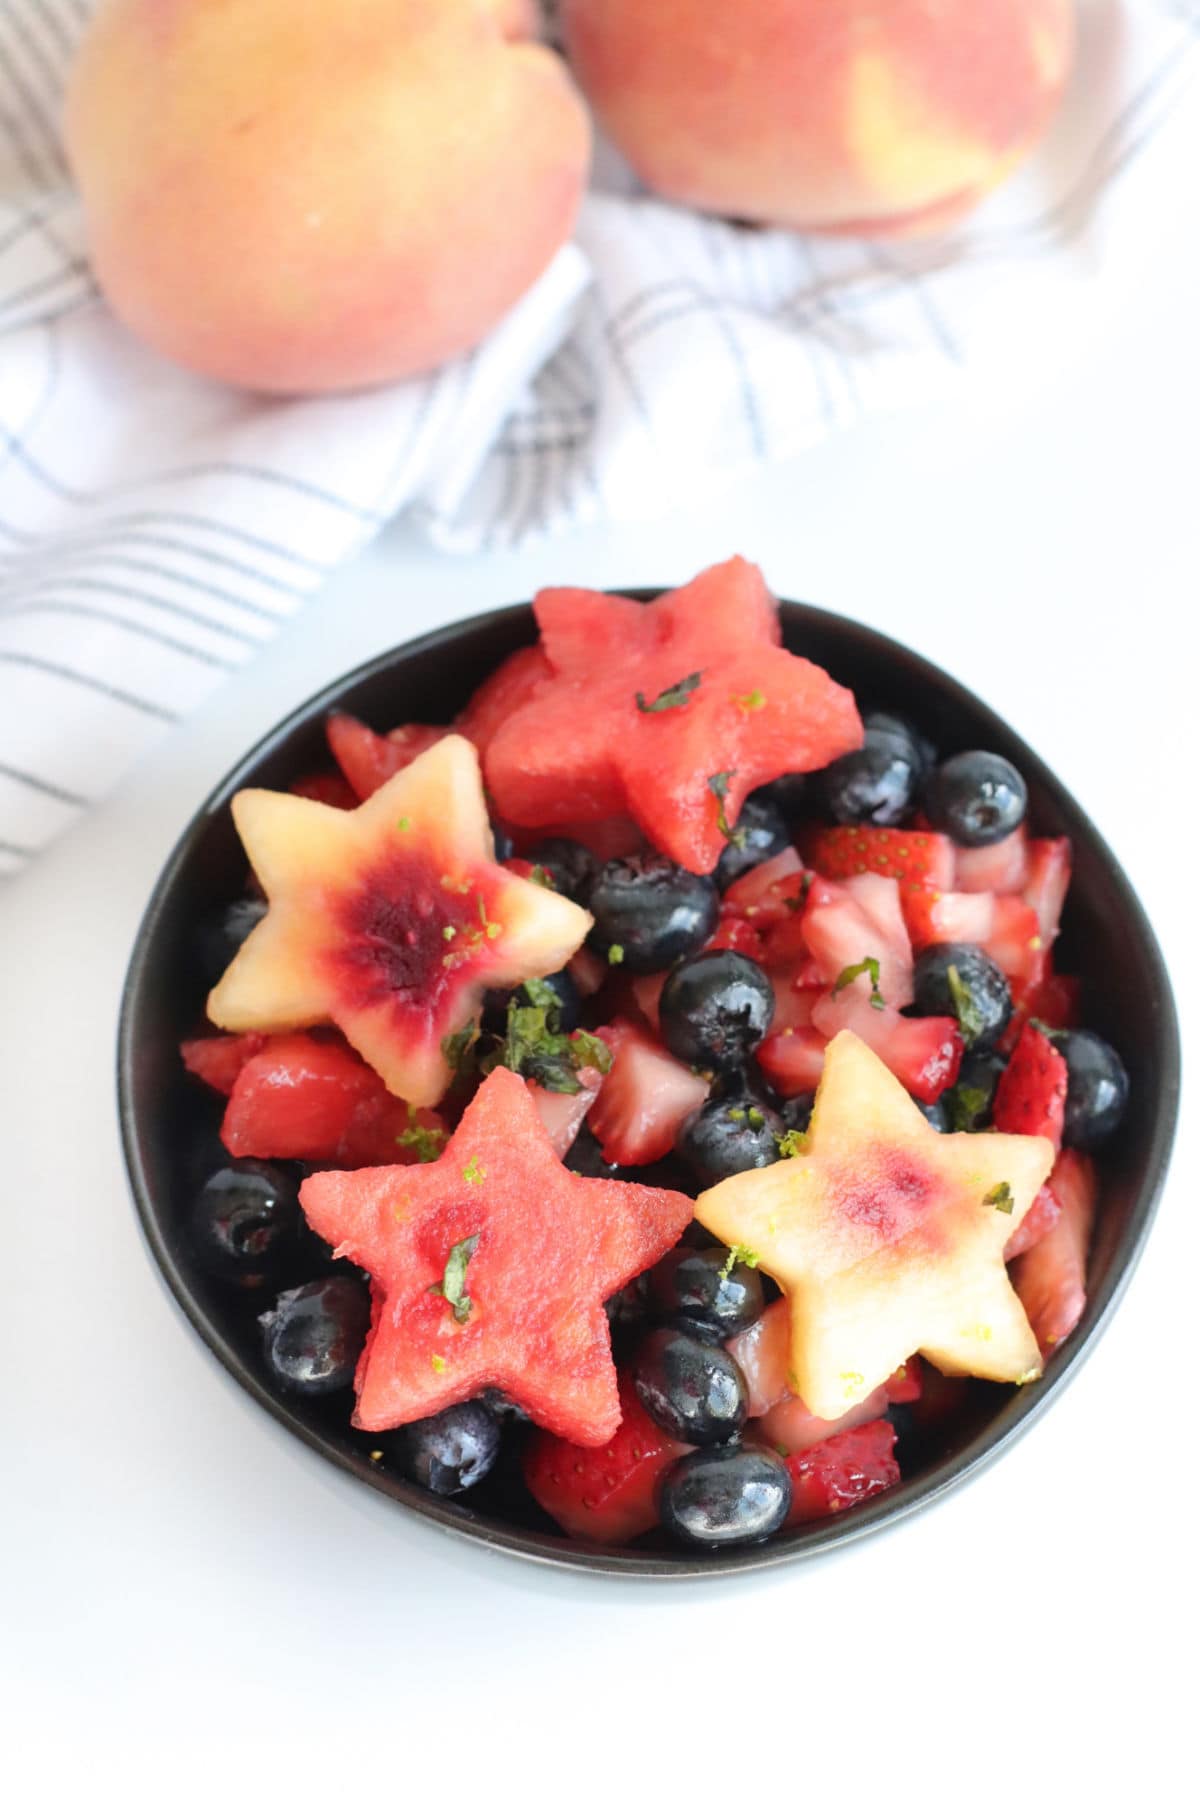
{"x": 190, "y": 1596}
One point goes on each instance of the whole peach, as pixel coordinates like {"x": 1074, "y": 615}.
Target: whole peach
{"x": 307, "y": 195}
{"x": 871, "y": 116}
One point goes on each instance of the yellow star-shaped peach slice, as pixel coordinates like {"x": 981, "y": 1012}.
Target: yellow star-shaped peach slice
{"x": 887, "y": 1237}
{"x": 389, "y": 921}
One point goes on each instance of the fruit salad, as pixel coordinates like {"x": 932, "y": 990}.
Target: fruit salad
{"x": 651, "y": 1093}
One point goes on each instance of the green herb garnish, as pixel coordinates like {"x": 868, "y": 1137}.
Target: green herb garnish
{"x": 616, "y": 954}
{"x": 966, "y": 1009}
{"x": 541, "y": 877}
{"x": 966, "y": 1107}
{"x": 1001, "y": 1197}
{"x": 536, "y": 1047}
{"x": 718, "y": 785}
{"x": 740, "y": 1253}
{"x": 868, "y": 966}
{"x": 453, "y": 1285}
{"x": 754, "y": 701}
{"x": 792, "y": 1143}
{"x": 437, "y": 1364}
{"x": 404, "y": 824}
{"x": 426, "y": 1140}
{"x": 679, "y": 695}
{"x": 457, "y": 1048}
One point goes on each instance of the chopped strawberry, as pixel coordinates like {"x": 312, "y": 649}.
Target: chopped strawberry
{"x": 794, "y": 1001}
{"x": 764, "y": 894}
{"x": 1048, "y": 880}
{"x": 1015, "y": 943}
{"x": 1032, "y": 1091}
{"x": 762, "y": 1354}
{"x": 604, "y": 1495}
{"x": 1041, "y": 1218}
{"x": 1001, "y": 868}
{"x": 563, "y": 1114}
{"x": 924, "y": 857}
{"x": 1054, "y": 999}
{"x": 1051, "y": 1277}
{"x": 792, "y": 1060}
{"x": 842, "y": 1472}
{"x": 907, "y": 1384}
{"x": 734, "y": 933}
{"x": 219, "y": 1061}
{"x": 368, "y": 760}
{"x": 645, "y": 1098}
{"x": 791, "y": 1428}
{"x": 839, "y": 932}
{"x": 646, "y": 990}
{"x": 924, "y": 1054}
{"x": 587, "y": 972}
{"x": 784, "y": 943}
{"x": 329, "y": 788}
{"x": 936, "y": 918}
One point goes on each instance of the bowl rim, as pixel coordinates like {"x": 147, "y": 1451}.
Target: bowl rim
{"x": 912, "y": 1495}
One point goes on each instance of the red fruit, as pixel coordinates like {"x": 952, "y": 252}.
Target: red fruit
{"x": 218, "y": 1061}
{"x": 762, "y": 1354}
{"x": 583, "y": 748}
{"x": 1054, "y": 999}
{"x": 646, "y": 991}
{"x": 925, "y": 858}
{"x": 563, "y": 1114}
{"x": 792, "y": 1060}
{"x": 1041, "y": 1218}
{"x": 794, "y": 1001}
{"x": 734, "y": 933}
{"x": 587, "y": 972}
{"x": 526, "y": 1311}
{"x": 645, "y": 1098}
{"x": 605, "y": 1495}
{"x": 518, "y": 679}
{"x": 1001, "y": 868}
{"x": 790, "y": 1428}
{"x": 314, "y": 1100}
{"x": 1032, "y": 1091}
{"x": 844, "y": 923}
{"x": 1047, "y": 883}
{"x": 924, "y": 1054}
{"x": 1015, "y": 943}
{"x": 768, "y": 892}
{"x": 368, "y": 760}
{"x": 933, "y": 917}
{"x": 842, "y": 1472}
{"x": 907, "y": 1384}
{"x": 1051, "y": 1277}
{"x": 330, "y": 789}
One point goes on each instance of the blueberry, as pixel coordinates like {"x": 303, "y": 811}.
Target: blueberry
{"x": 629, "y": 1308}
{"x": 221, "y": 935}
{"x": 694, "y": 1391}
{"x": 714, "y": 1499}
{"x": 649, "y": 912}
{"x": 961, "y": 981}
{"x": 715, "y": 1008}
{"x": 451, "y": 1451}
{"x": 797, "y": 1112}
{"x": 791, "y": 794}
{"x": 935, "y": 1112}
{"x": 899, "y": 725}
{"x": 501, "y": 1407}
{"x": 875, "y": 785}
{"x": 571, "y": 867}
{"x": 1097, "y": 1088}
{"x": 502, "y": 844}
{"x": 976, "y": 798}
{"x": 245, "y": 1223}
{"x": 313, "y": 1336}
{"x": 968, "y": 1104}
{"x": 762, "y": 832}
{"x": 585, "y": 1157}
{"x": 565, "y": 1015}
{"x": 728, "y": 1134}
{"x": 706, "y": 1292}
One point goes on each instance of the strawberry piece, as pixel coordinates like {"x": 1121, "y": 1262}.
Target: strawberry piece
{"x": 563, "y": 1114}
{"x": 313, "y": 1100}
{"x": 924, "y": 1054}
{"x": 1015, "y": 943}
{"x": 923, "y": 858}
{"x": 1040, "y": 1219}
{"x": 1001, "y": 868}
{"x": 1051, "y": 1277}
{"x": 1048, "y": 880}
{"x": 1054, "y": 999}
{"x": 791, "y": 1428}
{"x": 1032, "y": 1092}
{"x": 587, "y": 972}
{"x": 368, "y": 760}
{"x": 218, "y": 1061}
{"x": 936, "y": 918}
{"x": 794, "y": 1001}
{"x": 605, "y": 1495}
{"x": 763, "y": 1354}
{"x": 645, "y": 1098}
{"x": 734, "y": 933}
{"x": 765, "y": 893}
{"x": 906, "y": 1385}
{"x": 839, "y": 932}
{"x": 646, "y": 991}
{"x": 518, "y": 679}
{"x": 792, "y": 1060}
{"x": 329, "y": 789}
{"x": 842, "y": 1472}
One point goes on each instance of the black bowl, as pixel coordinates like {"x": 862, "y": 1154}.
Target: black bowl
{"x": 169, "y": 1123}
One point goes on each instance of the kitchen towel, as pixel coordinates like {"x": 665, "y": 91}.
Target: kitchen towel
{"x": 155, "y": 529}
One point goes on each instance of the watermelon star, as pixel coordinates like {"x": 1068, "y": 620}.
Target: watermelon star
{"x": 388, "y": 921}
{"x": 490, "y": 1269}
{"x": 887, "y": 1237}
{"x": 670, "y": 712}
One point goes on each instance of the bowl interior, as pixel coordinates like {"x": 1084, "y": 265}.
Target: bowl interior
{"x": 170, "y": 1124}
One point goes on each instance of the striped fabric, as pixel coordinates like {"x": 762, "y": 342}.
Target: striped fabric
{"x": 155, "y": 529}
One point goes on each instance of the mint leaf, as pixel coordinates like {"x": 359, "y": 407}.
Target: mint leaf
{"x": 868, "y": 966}
{"x": 453, "y": 1285}
{"x": 966, "y": 1107}
{"x": 718, "y": 785}
{"x": 1001, "y": 1197}
{"x": 966, "y": 1008}
{"x": 740, "y": 1253}
{"x": 427, "y": 1140}
{"x": 792, "y": 1143}
{"x": 679, "y": 695}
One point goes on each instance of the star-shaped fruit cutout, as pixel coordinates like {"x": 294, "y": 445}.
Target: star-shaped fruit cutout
{"x": 490, "y": 1269}
{"x": 671, "y": 712}
{"x": 388, "y": 921}
{"x": 887, "y": 1237}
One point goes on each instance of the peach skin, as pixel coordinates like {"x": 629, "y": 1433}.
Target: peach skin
{"x": 297, "y": 196}
{"x": 878, "y": 117}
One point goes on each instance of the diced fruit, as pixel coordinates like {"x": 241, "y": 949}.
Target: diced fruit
{"x": 311, "y": 1100}
{"x": 330, "y": 788}
{"x": 933, "y": 917}
{"x": 520, "y": 677}
{"x": 587, "y": 972}
{"x": 737, "y": 934}
{"x": 1054, "y": 999}
{"x": 646, "y": 990}
{"x": 887, "y": 1238}
{"x": 493, "y": 1264}
{"x": 925, "y": 858}
{"x": 390, "y": 922}
{"x": 368, "y": 760}
{"x": 1046, "y": 887}
{"x": 762, "y": 1354}
{"x": 563, "y": 1114}
{"x": 683, "y": 757}
{"x": 1001, "y": 868}
{"x": 1014, "y": 942}
{"x": 924, "y": 1054}
{"x": 962, "y": 980}
{"x": 791, "y": 1428}
{"x": 645, "y": 1098}
{"x": 218, "y": 1061}
{"x": 907, "y": 1384}
{"x": 794, "y": 1000}
{"x": 842, "y": 1472}
{"x": 792, "y": 1059}
{"x": 1041, "y": 1218}
{"x": 1051, "y": 1277}
{"x": 840, "y": 933}
{"x": 977, "y": 798}
{"x": 763, "y": 893}
{"x": 605, "y": 1495}
{"x": 1032, "y": 1092}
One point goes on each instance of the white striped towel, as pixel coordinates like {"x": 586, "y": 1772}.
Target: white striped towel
{"x": 155, "y": 529}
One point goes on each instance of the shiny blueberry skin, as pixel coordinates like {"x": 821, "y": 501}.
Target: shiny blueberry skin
{"x": 1097, "y": 1088}
{"x": 716, "y": 1499}
{"x": 571, "y": 867}
{"x": 698, "y": 1291}
{"x": 899, "y": 726}
{"x": 985, "y": 985}
{"x": 727, "y": 1135}
{"x": 569, "y": 1003}
{"x": 693, "y": 1390}
{"x": 979, "y": 1074}
{"x": 976, "y": 798}
{"x": 761, "y": 832}
{"x": 221, "y": 935}
{"x": 245, "y": 1223}
{"x": 650, "y": 912}
{"x": 875, "y": 785}
{"x": 715, "y": 1008}
{"x": 313, "y": 1336}
{"x": 451, "y": 1451}
{"x": 797, "y": 1112}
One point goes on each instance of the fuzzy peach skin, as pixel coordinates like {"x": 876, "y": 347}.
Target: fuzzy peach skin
{"x": 872, "y": 116}
{"x": 308, "y": 195}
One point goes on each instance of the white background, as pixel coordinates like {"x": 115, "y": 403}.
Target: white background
{"x": 190, "y": 1598}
